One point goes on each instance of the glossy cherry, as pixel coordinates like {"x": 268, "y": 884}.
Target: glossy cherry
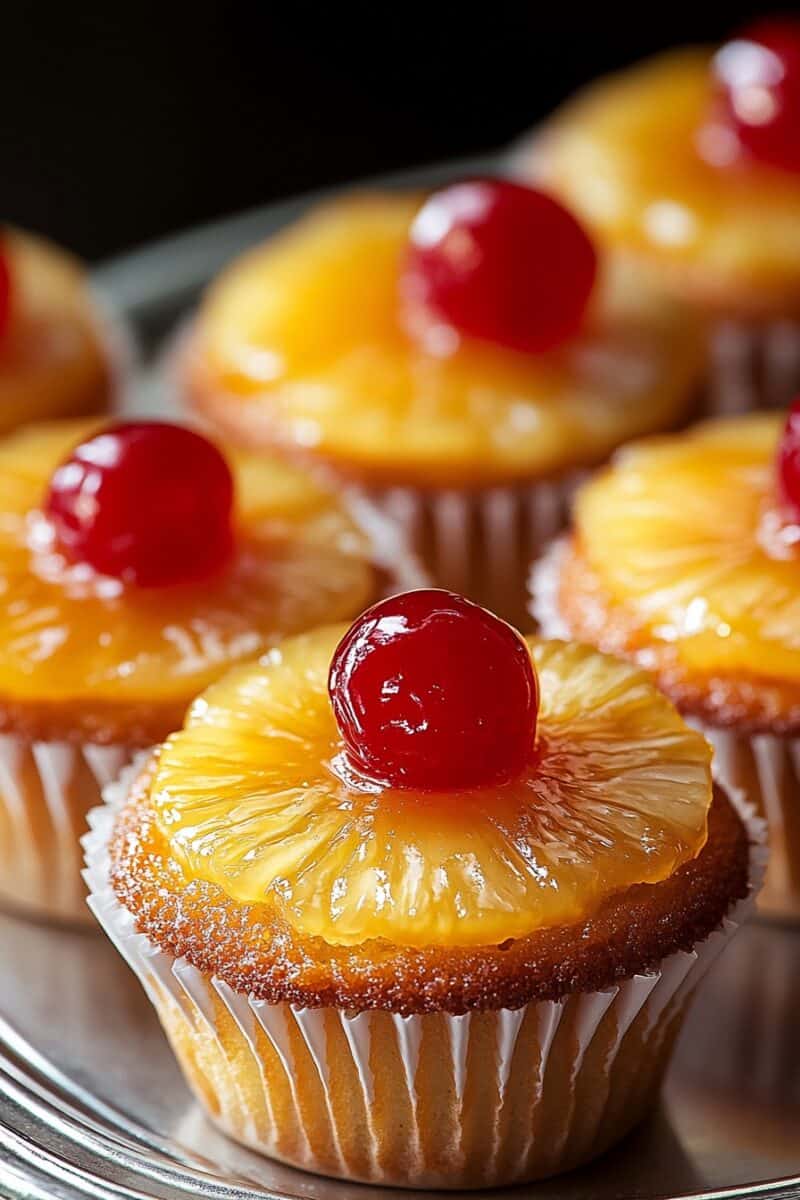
{"x": 789, "y": 461}
{"x": 759, "y": 78}
{"x": 432, "y": 692}
{"x": 497, "y": 261}
{"x": 5, "y": 291}
{"x": 147, "y": 502}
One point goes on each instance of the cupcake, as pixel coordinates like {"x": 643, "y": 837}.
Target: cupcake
{"x": 55, "y": 356}
{"x": 690, "y": 165}
{"x": 137, "y": 564}
{"x": 459, "y": 360}
{"x": 421, "y": 903}
{"x": 685, "y": 558}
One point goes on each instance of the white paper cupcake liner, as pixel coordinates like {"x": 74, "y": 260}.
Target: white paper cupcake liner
{"x": 543, "y": 582}
{"x": 483, "y": 1099}
{"x": 766, "y": 769}
{"x": 752, "y": 368}
{"x": 400, "y": 567}
{"x": 481, "y": 543}
{"x": 46, "y": 791}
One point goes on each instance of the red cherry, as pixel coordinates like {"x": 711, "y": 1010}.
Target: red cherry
{"x": 147, "y": 502}
{"x": 759, "y": 77}
{"x": 5, "y": 291}
{"x": 497, "y": 261}
{"x": 432, "y": 692}
{"x": 789, "y": 461}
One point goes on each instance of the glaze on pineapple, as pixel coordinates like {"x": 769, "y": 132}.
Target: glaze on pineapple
{"x": 302, "y": 342}
{"x": 254, "y": 795}
{"x": 71, "y": 637}
{"x": 688, "y": 545}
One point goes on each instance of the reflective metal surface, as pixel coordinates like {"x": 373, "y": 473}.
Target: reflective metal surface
{"x": 92, "y": 1103}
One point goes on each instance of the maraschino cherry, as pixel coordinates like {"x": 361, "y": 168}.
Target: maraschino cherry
{"x": 5, "y": 291}
{"x": 789, "y": 462}
{"x": 146, "y": 502}
{"x": 759, "y": 78}
{"x": 434, "y": 693}
{"x": 497, "y": 261}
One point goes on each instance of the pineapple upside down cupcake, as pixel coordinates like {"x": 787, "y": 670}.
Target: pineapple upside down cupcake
{"x": 690, "y": 164}
{"x": 685, "y": 557}
{"x": 56, "y": 358}
{"x": 421, "y": 903}
{"x": 460, "y": 360}
{"x": 136, "y": 564}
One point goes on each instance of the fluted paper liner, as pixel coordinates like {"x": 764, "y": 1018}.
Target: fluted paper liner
{"x": 543, "y": 584}
{"x": 483, "y": 1099}
{"x": 46, "y": 791}
{"x": 752, "y": 367}
{"x": 481, "y": 543}
{"x": 766, "y": 769}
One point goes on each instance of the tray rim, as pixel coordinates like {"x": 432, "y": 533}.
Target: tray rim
{"x": 57, "y": 1141}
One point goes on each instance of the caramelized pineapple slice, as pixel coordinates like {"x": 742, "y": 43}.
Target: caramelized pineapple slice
{"x": 67, "y": 634}
{"x": 676, "y": 534}
{"x": 254, "y": 795}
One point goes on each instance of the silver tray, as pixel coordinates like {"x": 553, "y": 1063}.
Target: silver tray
{"x": 91, "y": 1100}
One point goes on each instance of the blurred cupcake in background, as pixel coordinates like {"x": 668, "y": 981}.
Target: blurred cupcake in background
{"x": 459, "y": 360}
{"x": 689, "y": 164}
{"x": 685, "y": 557}
{"x": 58, "y": 353}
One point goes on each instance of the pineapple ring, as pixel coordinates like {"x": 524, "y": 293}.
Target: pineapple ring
{"x": 83, "y": 655}
{"x": 300, "y": 343}
{"x": 625, "y": 155}
{"x": 52, "y": 361}
{"x": 248, "y": 796}
{"x": 695, "y": 584}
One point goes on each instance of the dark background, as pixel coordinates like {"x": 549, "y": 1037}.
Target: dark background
{"x": 122, "y": 122}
